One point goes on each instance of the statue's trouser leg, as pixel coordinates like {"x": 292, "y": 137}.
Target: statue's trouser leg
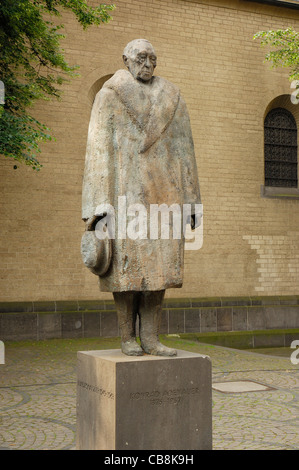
{"x": 126, "y": 307}
{"x": 150, "y": 313}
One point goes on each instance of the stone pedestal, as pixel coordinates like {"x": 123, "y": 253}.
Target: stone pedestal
{"x": 143, "y": 403}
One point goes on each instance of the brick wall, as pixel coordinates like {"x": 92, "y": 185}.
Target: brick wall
{"x": 250, "y": 243}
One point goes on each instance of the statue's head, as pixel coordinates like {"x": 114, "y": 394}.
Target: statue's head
{"x": 140, "y": 58}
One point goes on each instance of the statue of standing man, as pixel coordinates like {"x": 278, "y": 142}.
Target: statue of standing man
{"x": 140, "y": 155}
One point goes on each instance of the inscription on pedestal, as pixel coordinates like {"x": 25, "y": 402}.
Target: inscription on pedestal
{"x": 173, "y": 396}
{"x": 94, "y": 388}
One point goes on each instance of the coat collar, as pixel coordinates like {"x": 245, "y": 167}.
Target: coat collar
{"x": 151, "y": 109}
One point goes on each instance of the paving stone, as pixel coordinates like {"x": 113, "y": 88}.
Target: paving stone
{"x": 38, "y": 396}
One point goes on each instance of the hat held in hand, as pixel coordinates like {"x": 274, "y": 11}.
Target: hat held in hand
{"x": 96, "y": 253}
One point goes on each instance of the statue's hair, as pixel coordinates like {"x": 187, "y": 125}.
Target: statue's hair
{"x": 132, "y": 44}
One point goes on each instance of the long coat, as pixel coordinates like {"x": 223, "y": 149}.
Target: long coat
{"x": 140, "y": 147}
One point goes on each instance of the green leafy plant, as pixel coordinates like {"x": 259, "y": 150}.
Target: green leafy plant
{"x": 286, "y": 49}
{"x": 33, "y": 67}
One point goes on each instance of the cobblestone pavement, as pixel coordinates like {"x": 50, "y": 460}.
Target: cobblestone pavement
{"x": 38, "y": 396}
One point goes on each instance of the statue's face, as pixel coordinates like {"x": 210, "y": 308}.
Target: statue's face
{"x": 141, "y": 61}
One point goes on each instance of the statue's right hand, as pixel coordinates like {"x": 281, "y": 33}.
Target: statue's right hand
{"x": 91, "y": 223}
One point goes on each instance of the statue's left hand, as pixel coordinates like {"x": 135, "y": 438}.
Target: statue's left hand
{"x": 91, "y": 223}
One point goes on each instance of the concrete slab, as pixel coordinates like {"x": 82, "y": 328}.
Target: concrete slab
{"x": 240, "y": 386}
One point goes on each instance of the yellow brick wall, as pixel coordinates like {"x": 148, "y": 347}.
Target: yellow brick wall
{"x": 250, "y": 243}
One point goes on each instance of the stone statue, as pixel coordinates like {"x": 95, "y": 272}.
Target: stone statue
{"x": 140, "y": 155}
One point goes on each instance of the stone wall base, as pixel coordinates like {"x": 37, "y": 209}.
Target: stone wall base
{"x": 86, "y": 319}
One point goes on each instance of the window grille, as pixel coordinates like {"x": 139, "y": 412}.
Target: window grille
{"x": 280, "y": 149}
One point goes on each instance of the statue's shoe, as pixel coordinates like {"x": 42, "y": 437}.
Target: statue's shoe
{"x": 131, "y": 348}
{"x": 158, "y": 349}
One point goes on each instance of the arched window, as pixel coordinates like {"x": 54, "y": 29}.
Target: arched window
{"x": 96, "y": 87}
{"x": 280, "y": 149}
